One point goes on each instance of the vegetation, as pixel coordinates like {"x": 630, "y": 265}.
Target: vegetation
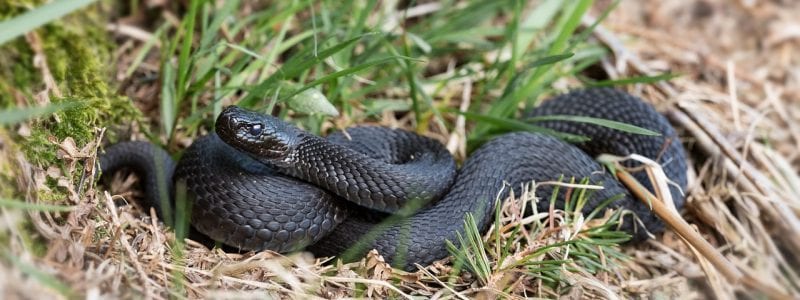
{"x": 324, "y": 65}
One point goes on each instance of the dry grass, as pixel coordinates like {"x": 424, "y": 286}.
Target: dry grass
{"x": 737, "y": 106}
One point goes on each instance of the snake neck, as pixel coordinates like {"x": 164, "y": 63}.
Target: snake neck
{"x": 398, "y": 188}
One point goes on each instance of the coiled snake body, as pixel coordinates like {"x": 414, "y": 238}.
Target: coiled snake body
{"x": 260, "y": 183}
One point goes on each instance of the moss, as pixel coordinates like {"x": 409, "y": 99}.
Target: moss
{"x": 78, "y": 53}
{"x": 11, "y": 8}
{"x": 6, "y": 170}
{"x": 34, "y": 242}
{"x": 18, "y": 75}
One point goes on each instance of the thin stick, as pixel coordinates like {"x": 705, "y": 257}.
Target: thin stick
{"x": 681, "y": 227}
{"x": 727, "y": 268}
{"x": 730, "y": 70}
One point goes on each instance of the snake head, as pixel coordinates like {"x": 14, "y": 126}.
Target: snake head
{"x": 264, "y": 137}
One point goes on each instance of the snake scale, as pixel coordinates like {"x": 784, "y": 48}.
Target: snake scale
{"x": 261, "y": 183}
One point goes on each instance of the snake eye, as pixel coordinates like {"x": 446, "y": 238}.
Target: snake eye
{"x": 256, "y": 129}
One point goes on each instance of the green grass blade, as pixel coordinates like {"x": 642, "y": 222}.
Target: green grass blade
{"x": 569, "y": 25}
{"x": 293, "y": 67}
{"x": 460, "y": 22}
{"x": 634, "y": 80}
{"x": 517, "y": 81}
{"x": 220, "y": 15}
{"x": 597, "y": 121}
{"x": 16, "y": 115}
{"x": 549, "y": 60}
{"x": 588, "y": 31}
{"x": 472, "y": 251}
{"x": 413, "y": 86}
{"x": 17, "y": 204}
{"x": 536, "y": 21}
{"x": 168, "y": 99}
{"x": 345, "y": 72}
{"x": 536, "y": 82}
{"x": 39, "y": 16}
{"x": 299, "y": 63}
{"x": 510, "y": 124}
{"x": 184, "y": 62}
{"x": 243, "y": 50}
{"x": 142, "y": 53}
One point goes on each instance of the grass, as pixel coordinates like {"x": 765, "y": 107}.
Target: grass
{"x": 521, "y": 249}
{"x": 17, "y": 204}
{"x": 14, "y": 116}
{"x": 324, "y": 56}
{"x": 213, "y": 57}
{"x": 324, "y": 67}
{"x": 44, "y": 14}
{"x": 307, "y": 68}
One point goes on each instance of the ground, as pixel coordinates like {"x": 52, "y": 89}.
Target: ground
{"x": 726, "y": 74}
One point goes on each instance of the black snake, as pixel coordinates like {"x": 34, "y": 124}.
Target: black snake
{"x": 261, "y": 183}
